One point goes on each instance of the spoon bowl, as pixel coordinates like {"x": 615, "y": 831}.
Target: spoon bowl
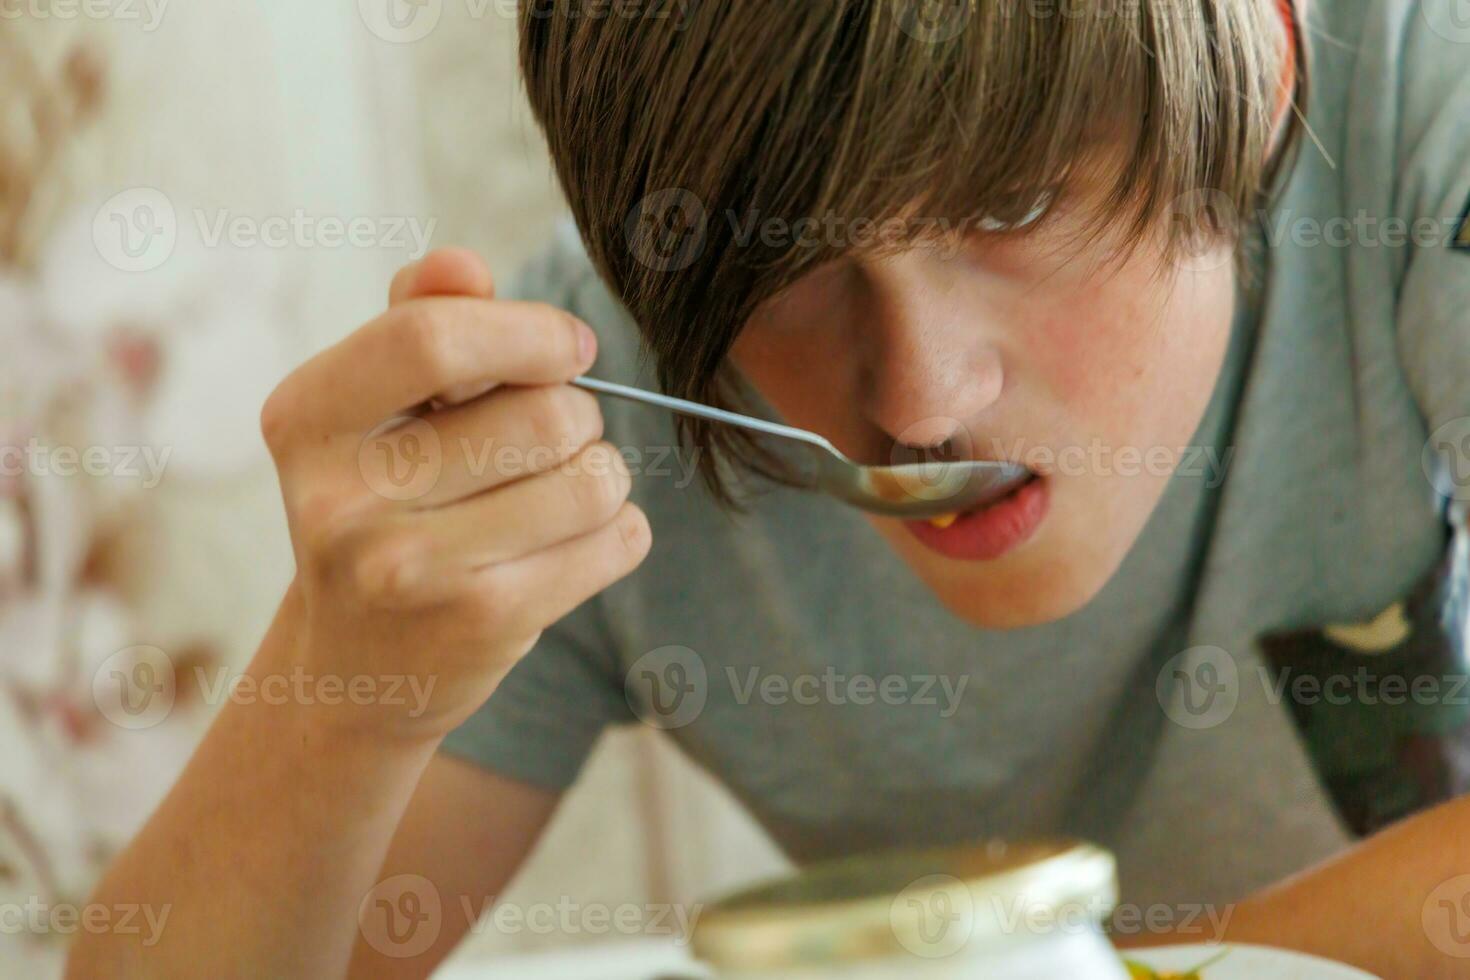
{"x": 909, "y": 491}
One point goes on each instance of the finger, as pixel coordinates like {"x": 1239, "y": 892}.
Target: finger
{"x": 399, "y": 289}
{"x": 510, "y": 435}
{"x": 531, "y": 593}
{"x": 518, "y": 520}
{"x": 427, "y": 346}
{"x": 447, "y": 272}
{"x": 443, "y": 272}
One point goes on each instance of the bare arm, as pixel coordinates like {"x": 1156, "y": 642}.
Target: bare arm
{"x": 1391, "y": 905}
{"x": 465, "y": 834}
{"x": 414, "y": 568}
{"x": 277, "y": 832}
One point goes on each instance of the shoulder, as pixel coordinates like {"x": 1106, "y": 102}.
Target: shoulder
{"x": 1434, "y": 106}
{"x": 1396, "y": 75}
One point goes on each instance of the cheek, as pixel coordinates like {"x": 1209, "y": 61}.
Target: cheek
{"x": 1133, "y": 361}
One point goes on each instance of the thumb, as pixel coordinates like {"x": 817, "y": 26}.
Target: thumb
{"x": 443, "y": 272}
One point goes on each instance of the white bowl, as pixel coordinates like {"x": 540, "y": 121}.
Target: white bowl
{"x": 1246, "y": 963}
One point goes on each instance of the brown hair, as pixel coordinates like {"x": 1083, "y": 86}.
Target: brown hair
{"x": 672, "y": 123}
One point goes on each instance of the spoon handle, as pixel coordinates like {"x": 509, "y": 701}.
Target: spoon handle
{"x": 700, "y": 411}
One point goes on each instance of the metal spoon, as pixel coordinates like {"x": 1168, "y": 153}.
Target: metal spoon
{"x": 912, "y": 491}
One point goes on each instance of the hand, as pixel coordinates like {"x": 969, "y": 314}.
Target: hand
{"x": 436, "y": 537}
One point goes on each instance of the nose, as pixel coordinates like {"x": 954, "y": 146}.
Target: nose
{"x": 929, "y": 363}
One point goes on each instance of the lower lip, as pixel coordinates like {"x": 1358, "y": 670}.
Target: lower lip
{"x": 992, "y": 531}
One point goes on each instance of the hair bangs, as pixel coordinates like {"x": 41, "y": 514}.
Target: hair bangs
{"x": 713, "y": 157}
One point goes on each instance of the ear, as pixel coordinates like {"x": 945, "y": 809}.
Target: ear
{"x": 1290, "y": 10}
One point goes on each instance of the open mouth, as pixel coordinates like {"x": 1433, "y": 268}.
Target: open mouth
{"x": 990, "y": 531}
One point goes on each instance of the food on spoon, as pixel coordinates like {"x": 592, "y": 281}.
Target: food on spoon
{"x": 944, "y": 520}
{"x": 1137, "y": 971}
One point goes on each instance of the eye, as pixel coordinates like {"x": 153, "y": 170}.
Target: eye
{"x": 1027, "y": 216}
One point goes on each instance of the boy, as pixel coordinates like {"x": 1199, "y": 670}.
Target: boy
{"x": 1086, "y": 264}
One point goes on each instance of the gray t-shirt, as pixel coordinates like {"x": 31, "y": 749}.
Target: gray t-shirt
{"x": 791, "y": 653}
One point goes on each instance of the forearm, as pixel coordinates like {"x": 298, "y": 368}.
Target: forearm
{"x": 1378, "y": 906}
{"x": 1389, "y": 905}
{"x": 276, "y": 833}
{"x": 262, "y": 852}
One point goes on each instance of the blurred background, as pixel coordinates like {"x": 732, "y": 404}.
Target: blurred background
{"x": 193, "y": 199}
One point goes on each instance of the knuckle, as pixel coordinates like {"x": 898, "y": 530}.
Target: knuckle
{"x": 320, "y": 514}
{"x": 587, "y": 415}
{"x": 389, "y": 566}
{"x": 494, "y": 601}
{"x": 568, "y": 330}
{"x": 402, "y": 279}
{"x": 324, "y": 524}
{"x": 634, "y": 532}
{"x": 601, "y": 482}
{"x": 423, "y": 339}
{"x": 275, "y": 419}
{"x": 565, "y": 420}
{"x": 562, "y": 423}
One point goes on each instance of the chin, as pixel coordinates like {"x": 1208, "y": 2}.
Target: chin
{"x": 1017, "y": 603}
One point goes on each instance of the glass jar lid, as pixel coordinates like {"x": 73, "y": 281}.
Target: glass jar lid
{"x": 983, "y": 897}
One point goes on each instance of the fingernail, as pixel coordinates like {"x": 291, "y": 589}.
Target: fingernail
{"x": 586, "y": 344}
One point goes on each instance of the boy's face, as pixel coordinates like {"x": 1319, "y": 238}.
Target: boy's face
{"x": 1091, "y": 370}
